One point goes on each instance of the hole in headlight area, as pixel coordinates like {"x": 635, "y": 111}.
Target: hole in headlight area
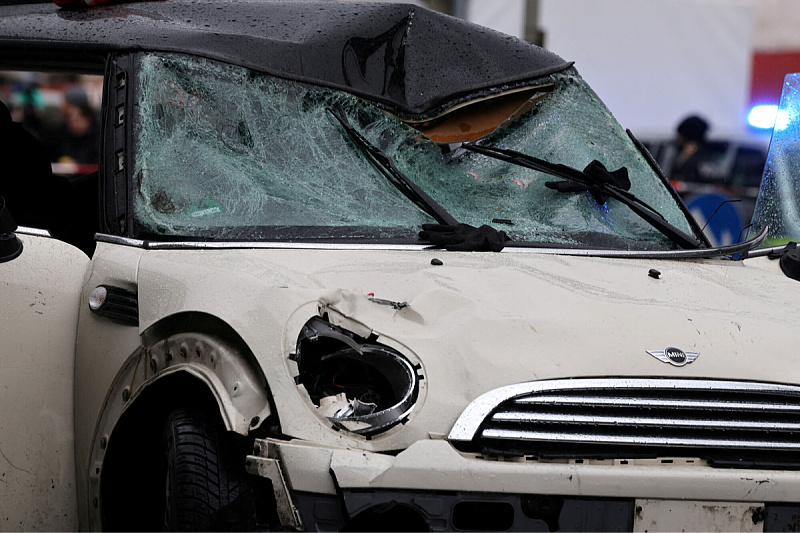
{"x": 358, "y": 384}
{"x": 483, "y": 516}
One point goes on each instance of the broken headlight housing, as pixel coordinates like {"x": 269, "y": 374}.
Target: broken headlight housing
{"x": 358, "y": 384}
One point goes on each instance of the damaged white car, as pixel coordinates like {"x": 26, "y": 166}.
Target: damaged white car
{"x": 366, "y": 266}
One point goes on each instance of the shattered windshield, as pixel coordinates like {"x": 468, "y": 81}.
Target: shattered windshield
{"x": 226, "y": 153}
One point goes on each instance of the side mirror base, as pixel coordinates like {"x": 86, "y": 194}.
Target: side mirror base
{"x": 10, "y": 247}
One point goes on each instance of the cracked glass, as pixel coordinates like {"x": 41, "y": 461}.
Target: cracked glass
{"x": 226, "y": 153}
{"x": 778, "y": 204}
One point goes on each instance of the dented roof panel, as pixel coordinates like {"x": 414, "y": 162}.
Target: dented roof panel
{"x": 409, "y": 60}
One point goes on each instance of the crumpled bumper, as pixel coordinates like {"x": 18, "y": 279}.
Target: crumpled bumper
{"x": 324, "y": 488}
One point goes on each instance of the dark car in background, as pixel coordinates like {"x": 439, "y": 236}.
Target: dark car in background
{"x": 729, "y": 171}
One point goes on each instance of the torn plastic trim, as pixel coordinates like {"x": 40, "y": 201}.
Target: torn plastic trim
{"x": 481, "y": 99}
{"x": 360, "y": 416}
{"x": 264, "y": 463}
{"x": 356, "y": 383}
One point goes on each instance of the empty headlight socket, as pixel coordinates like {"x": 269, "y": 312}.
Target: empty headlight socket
{"x": 358, "y": 384}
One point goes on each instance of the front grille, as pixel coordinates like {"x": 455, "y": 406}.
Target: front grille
{"x": 727, "y": 422}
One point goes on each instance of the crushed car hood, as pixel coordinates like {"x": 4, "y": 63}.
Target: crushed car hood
{"x": 482, "y": 321}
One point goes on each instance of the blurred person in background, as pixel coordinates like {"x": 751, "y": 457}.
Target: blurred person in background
{"x": 33, "y": 194}
{"x": 29, "y": 103}
{"x": 77, "y": 139}
{"x": 690, "y": 142}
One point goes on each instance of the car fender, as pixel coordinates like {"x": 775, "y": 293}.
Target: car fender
{"x": 210, "y": 355}
{"x": 41, "y": 290}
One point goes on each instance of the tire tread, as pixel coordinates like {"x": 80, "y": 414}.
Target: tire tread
{"x": 204, "y": 477}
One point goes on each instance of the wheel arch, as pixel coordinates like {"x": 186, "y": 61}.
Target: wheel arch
{"x": 212, "y": 351}
{"x": 188, "y": 359}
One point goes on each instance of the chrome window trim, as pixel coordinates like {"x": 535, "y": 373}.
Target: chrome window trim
{"x": 620, "y": 254}
{"x": 766, "y": 251}
{"x": 470, "y": 420}
{"x": 233, "y": 245}
{"x": 24, "y": 230}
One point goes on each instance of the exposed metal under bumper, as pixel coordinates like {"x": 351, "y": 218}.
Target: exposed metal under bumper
{"x": 457, "y": 511}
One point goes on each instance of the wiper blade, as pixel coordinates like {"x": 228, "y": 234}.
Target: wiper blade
{"x": 596, "y": 179}
{"x": 386, "y": 166}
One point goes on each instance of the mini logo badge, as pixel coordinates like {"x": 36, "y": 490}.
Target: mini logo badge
{"x": 674, "y": 356}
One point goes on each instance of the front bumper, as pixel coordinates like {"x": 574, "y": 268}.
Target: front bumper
{"x": 327, "y": 487}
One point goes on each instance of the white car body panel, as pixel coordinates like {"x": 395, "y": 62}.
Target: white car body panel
{"x": 608, "y": 314}
{"x": 39, "y": 296}
{"x": 101, "y": 347}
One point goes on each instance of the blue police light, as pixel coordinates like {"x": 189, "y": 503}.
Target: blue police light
{"x": 763, "y": 116}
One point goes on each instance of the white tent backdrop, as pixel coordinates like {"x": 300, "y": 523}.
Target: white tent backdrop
{"x": 653, "y": 63}
{"x": 507, "y": 16}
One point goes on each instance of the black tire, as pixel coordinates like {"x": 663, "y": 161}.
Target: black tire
{"x": 206, "y": 482}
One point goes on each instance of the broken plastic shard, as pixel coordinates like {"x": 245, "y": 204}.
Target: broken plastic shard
{"x": 356, "y": 408}
{"x": 366, "y": 388}
{"x": 329, "y": 406}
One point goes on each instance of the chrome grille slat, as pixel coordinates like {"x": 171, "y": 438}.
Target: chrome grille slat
{"x": 656, "y": 402}
{"x": 728, "y": 421}
{"x": 593, "y": 438}
{"x": 538, "y": 417}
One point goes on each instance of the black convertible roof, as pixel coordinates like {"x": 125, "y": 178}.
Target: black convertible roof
{"x": 411, "y": 61}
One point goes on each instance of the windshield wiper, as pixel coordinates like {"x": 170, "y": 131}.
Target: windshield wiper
{"x": 598, "y": 181}
{"x": 386, "y": 166}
